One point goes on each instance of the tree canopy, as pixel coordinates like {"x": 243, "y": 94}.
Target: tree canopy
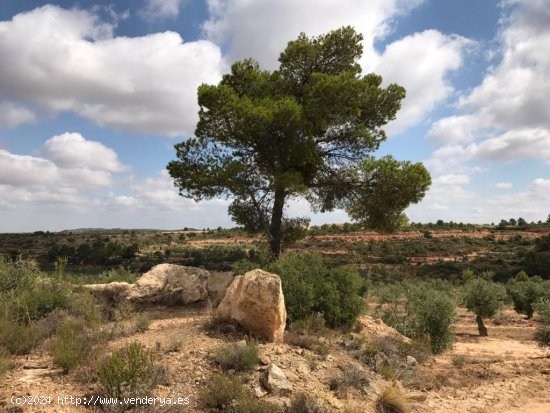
{"x": 305, "y": 130}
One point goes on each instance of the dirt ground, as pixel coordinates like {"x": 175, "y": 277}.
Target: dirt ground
{"x": 503, "y": 373}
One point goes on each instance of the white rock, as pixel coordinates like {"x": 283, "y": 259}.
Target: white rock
{"x": 275, "y": 382}
{"x": 256, "y": 302}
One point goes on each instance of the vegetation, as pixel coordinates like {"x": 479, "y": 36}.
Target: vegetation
{"x": 392, "y": 401}
{"x": 238, "y": 356}
{"x": 306, "y": 129}
{"x": 525, "y": 291}
{"x": 542, "y": 334}
{"x": 311, "y": 287}
{"x": 71, "y": 346}
{"x": 128, "y": 372}
{"x": 484, "y": 298}
{"x": 221, "y": 391}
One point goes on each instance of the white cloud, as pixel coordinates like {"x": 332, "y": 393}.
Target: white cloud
{"x": 71, "y": 150}
{"x": 13, "y": 115}
{"x": 420, "y": 62}
{"x": 509, "y": 108}
{"x": 68, "y": 161}
{"x": 452, "y": 180}
{"x": 503, "y": 185}
{"x": 453, "y": 202}
{"x": 160, "y": 9}
{"x": 68, "y": 60}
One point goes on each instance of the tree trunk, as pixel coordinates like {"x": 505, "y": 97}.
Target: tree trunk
{"x": 481, "y": 327}
{"x": 276, "y": 222}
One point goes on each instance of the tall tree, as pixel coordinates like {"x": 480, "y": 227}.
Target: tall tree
{"x": 306, "y": 130}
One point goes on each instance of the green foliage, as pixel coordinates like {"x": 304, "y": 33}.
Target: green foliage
{"x": 248, "y": 403}
{"x": 17, "y": 276}
{"x": 221, "y": 391}
{"x": 433, "y": 314}
{"x": 127, "y": 372}
{"x": 142, "y": 322}
{"x": 71, "y": 346}
{"x": 20, "y": 338}
{"x": 306, "y": 403}
{"x": 484, "y": 298}
{"x": 305, "y": 129}
{"x": 424, "y": 311}
{"x": 5, "y": 360}
{"x": 310, "y": 287}
{"x": 524, "y": 293}
{"x": 237, "y": 356}
{"x": 542, "y": 334}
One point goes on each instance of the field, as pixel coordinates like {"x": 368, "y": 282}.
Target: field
{"x": 505, "y": 372}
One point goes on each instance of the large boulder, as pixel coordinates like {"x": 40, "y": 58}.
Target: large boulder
{"x": 256, "y": 302}
{"x": 164, "y": 284}
{"x": 171, "y": 284}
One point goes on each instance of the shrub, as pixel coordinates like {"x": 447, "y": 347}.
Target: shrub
{"x": 142, "y": 322}
{"x": 237, "y": 356}
{"x": 304, "y": 403}
{"x": 17, "y": 276}
{"x": 221, "y": 392}
{"x": 313, "y": 324}
{"x": 524, "y": 293}
{"x": 5, "y": 360}
{"x": 128, "y": 372}
{"x": 542, "y": 335}
{"x": 351, "y": 377}
{"x": 433, "y": 315}
{"x": 71, "y": 346}
{"x": 392, "y": 401}
{"x": 310, "y": 287}
{"x": 484, "y": 298}
{"x": 247, "y": 403}
{"x": 21, "y": 338}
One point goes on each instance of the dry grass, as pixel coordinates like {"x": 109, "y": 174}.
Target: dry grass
{"x": 392, "y": 401}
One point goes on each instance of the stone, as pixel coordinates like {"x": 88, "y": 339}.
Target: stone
{"x": 171, "y": 284}
{"x": 275, "y": 382}
{"x": 411, "y": 361}
{"x": 259, "y": 392}
{"x": 168, "y": 284}
{"x": 255, "y": 301}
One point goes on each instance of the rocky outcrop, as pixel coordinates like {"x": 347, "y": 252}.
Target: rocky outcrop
{"x": 275, "y": 382}
{"x": 164, "y": 284}
{"x": 256, "y": 302}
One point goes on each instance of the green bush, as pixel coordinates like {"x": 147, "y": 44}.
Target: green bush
{"x": 305, "y": 403}
{"x": 142, "y": 322}
{"x": 247, "y": 403}
{"x": 484, "y": 298}
{"x": 237, "y": 356}
{"x": 542, "y": 335}
{"x": 17, "y": 276}
{"x": 5, "y": 360}
{"x": 433, "y": 314}
{"x": 524, "y": 293}
{"x": 21, "y": 338}
{"x": 128, "y": 372}
{"x": 221, "y": 392}
{"x": 71, "y": 346}
{"x": 311, "y": 287}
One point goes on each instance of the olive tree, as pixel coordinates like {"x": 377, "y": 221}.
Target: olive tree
{"x": 484, "y": 298}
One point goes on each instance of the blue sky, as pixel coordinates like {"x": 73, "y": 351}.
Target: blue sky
{"x": 93, "y": 96}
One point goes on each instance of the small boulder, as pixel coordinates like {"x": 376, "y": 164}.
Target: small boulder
{"x": 275, "y": 382}
{"x": 411, "y": 361}
{"x": 256, "y": 302}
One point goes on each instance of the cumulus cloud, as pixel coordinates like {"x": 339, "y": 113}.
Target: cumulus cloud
{"x": 506, "y": 117}
{"x": 71, "y": 150}
{"x": 420, "y": 62}
{"x": 13, "y": 115}
{"x": 69, "y": 60}
{"x": 454, "y": 202}
{"x": 160, "y": 9}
